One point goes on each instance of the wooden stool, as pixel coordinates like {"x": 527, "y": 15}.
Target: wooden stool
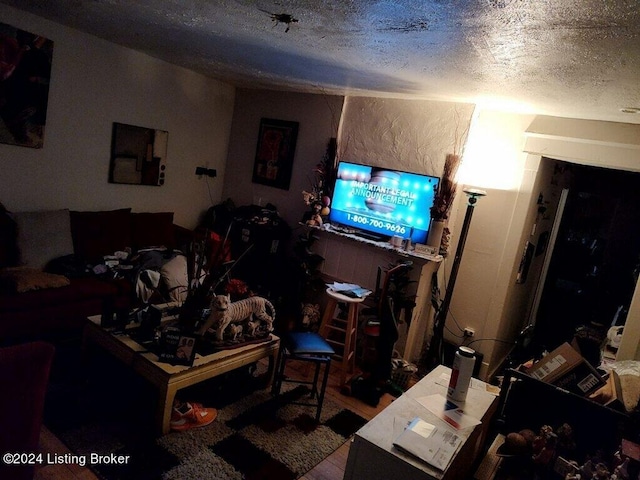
{"x": 345, "y": 331}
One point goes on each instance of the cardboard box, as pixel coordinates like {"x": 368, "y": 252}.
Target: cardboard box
{"x": 566, "y": 368}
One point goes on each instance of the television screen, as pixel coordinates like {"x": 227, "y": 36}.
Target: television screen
{"x": 383, "y": 201}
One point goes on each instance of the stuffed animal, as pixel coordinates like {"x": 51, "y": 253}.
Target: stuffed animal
{"x": 614, "y": 336}
{"x": 315, "y": 217}
{"x": 252, "y": 327}
{"x": 224, "y": 313}
{"x": 236, "y": 331}
{"x": 310, "y": 315}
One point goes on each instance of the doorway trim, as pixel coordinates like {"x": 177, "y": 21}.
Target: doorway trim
{"x": 533, "y": 315}
{"x": 588, "y": 142}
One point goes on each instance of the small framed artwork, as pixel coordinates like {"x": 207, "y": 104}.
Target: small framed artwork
{"x": 275, "y": 151}
{"x": 178, "y": 348}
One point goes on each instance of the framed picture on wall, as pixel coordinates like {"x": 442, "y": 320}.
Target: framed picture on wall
{"x": 275, "y": 151}
{"x": 138, "y": 155}
{"x": 25, "y": 71}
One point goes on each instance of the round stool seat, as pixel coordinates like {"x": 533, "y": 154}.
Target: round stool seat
{"x": 341, "y": 297}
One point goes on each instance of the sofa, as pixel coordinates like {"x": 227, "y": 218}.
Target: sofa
{"x": 57, "y": 266}
{"x": 24, "y": 370}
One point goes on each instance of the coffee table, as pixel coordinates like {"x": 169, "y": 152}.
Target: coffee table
{"x": 167, "y": 378}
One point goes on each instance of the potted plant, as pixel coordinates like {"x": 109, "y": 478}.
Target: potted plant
{"x": 319, "y": 198}
{"x": 443, "y": 201}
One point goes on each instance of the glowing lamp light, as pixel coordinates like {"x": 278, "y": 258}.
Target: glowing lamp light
{"x": 491, "y": 160}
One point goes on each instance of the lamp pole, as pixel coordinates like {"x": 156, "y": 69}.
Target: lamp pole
{"x": 436, "y": 347}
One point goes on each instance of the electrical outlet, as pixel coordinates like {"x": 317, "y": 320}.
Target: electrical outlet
{"x": 469, "y": 332}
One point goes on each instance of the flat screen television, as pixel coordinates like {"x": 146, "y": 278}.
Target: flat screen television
{"x": 383, "y": 202}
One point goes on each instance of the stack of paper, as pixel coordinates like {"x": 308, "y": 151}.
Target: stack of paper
{"x": 434, "y": 445}
{"x": 349, "y": 289}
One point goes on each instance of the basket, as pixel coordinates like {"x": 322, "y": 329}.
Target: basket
{"x": 401, "y": 371}
{"x": 401, "y": 377}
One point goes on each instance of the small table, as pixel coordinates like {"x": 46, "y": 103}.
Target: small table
{"x": 167, "y": 378}
{"x": 372, "y": 454}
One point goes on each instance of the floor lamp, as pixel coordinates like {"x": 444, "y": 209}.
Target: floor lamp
{"x": 436, "y": 347}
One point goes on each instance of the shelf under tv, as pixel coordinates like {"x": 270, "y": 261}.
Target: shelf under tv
{"x": 384, "y": 244}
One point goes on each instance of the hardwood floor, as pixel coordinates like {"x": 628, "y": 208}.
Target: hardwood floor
{"x": 49, "y": 443}
{"x": 331, "y": 468}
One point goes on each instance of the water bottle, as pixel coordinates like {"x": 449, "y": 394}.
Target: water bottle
{"x": 463, "y": 363}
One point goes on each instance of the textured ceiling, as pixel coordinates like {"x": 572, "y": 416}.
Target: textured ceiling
{"x": 572, "y": 58}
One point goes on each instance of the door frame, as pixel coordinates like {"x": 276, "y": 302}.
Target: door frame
{"x": 557, "y": 220}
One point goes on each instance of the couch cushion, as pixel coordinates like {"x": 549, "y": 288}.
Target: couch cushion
{"x": 43, "y": 236}
{"x": 79, "y": 289}
{"x": 24, "y": 279}
{"x": 152, "y": 230}
{"x": 96, "y": 234}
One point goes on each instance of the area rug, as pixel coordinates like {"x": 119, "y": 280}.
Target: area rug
{"x": 253, "y": 436}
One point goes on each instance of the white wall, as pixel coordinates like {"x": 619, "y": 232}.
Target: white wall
{"x": 318, "y": 116}
{"x": 494, "y": 161}
{"x": 93, "y": 84}
{"x": 410, "y": 135}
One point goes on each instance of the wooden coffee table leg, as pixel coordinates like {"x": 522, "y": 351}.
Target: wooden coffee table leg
{"x": 266, "y": 380}
{"x": 273, "y": 360}
{"x": 166, "y": 395}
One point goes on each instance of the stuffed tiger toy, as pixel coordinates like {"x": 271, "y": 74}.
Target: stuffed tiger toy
{"x": 224, "y": 313}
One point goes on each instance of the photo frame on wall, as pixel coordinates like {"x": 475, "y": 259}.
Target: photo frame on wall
{"x": 26, "y": 72}
{"x": 138, "y": 155}
{"x": 274, "y": 153}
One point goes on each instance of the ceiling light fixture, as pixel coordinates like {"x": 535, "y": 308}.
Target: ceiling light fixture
{"x": 282, "y": 18}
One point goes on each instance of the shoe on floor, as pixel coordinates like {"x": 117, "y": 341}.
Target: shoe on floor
{"x": 191, "y": 415}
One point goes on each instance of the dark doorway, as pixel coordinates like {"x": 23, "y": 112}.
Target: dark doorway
{"x": 593, "y": 269}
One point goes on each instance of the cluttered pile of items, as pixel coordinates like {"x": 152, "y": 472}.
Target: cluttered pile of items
{"x": 562, "y": 418}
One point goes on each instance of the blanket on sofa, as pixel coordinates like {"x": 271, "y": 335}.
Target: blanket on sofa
{"x": 160, "y": 272}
